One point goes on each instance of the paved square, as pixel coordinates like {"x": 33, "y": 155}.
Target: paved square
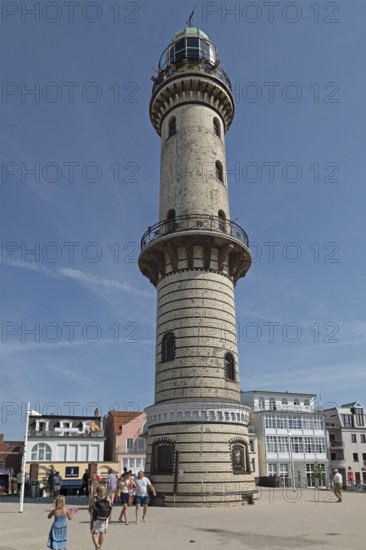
{"x": 279, "y": 520}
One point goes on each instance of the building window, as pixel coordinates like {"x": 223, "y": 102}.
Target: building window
{"x": 271, "y": 444}
{"x": 296, "y": 402}
{"x": 363, "y": 438}
{"x": 261, "y": 403}
{"x": 172, "y": 127}
{"x": 347, "y": 420}
{"x": 163, "y": 457}
{"x": 170, "y": 225}
{"x": 272, "y": 469}
{"x": 297, "y": 445}
{"x": 219, "y": 171}
{"x": 353, "y": 438}
{"x": 281, "y": 422}
{"x": 129, "y": 445}
{"x": 272, "y": 404}
{"x": 355, "y": 457}
{"x": 270, "y": 421}
{"x": 294, "y": 422}
{"x": 141, "y": 446}
{"x": 2, "y": 463}
{"x": 251, "y": 445}
{"x": 168, "y": 347}
{"x": 309, "y": 444}
{"x": 41, "y": 452}
{"x": 307, "y": 403}
{"x": 282, "y": 443}
{"x": 284, "y": 401}
{"x": 216, "y": 127}
{"x": 320, "y": 445}
{"x": 359, "y": 420}
{"x": 229, "y": 367}
{"x": 222, "y": 221}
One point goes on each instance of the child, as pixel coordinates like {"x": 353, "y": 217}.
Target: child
{"x": 57, "y": 539}
{"x": 100, "y": 509}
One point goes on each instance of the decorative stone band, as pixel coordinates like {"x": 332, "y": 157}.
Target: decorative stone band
{"x": 197, "y": 412}
{"x": 192, "y": 88}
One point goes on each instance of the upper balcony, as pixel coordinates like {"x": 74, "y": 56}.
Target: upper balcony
{"x": 164, "y": 239}
{"x": 336, "y": 444}
{"x": 202, "y": 223}
{"x": 69, "y": 433}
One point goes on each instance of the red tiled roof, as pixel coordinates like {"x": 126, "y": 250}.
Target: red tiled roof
{"x": 122, "y": 417}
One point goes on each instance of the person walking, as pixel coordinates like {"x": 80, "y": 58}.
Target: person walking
{"x": 127, "y": 487}
{"x": 57, "y": 480}
{"x": 57, "y": 538}
{"x": 337, "y": 485}
{"x": 142, "y": 483}
{"x": 85, "y": 483}
{"x": 100, "y": 509}
{"x": 111, "y": 485}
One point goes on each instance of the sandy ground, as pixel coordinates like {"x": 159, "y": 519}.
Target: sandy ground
{"x": 279, "y": 519}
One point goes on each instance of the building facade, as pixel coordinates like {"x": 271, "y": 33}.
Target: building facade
{"x": 346, "y": 431}
{"x": 292, "y": 443}
{"x": 125, "y": 439}
{"x": 71, "y": 439}
{"x": 198, "y": 445}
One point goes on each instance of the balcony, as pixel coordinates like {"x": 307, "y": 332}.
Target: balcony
{"x": 194, "y": 222}
{"x": 187, "y": 69}
{"x": 64, "y": 433}
{"x": 340, "y": 464}
{"x": 336, "y": 444}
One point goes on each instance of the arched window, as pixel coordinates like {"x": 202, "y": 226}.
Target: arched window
{"x": 41, "y": 452}
{"x": 170, "y": 226}
{"x": 216, "y": 127}
{"x": 261, "y": 403}
{"x": 240, "y": 457}
{"x": 162, "y": 457}
{"x": 219, "y": 171}
{"x": 229, "y": 367}
{"x": 284, "y": 401}
{"x": 272, "y": 404}
{"x": 172, "y": 127}
{"x": 307, "y": 403}
{"x": 168, "y": 347}
{"x": 222, "y": 221}
{"x": 296, "y": 402}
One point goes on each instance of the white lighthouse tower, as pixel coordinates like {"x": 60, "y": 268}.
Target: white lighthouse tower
{"x": 194, "y": 255}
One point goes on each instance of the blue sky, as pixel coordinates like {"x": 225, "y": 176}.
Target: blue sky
{"x": 294, "y": 153}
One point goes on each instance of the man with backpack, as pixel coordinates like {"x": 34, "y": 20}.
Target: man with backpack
{"x": 100, "y": 508}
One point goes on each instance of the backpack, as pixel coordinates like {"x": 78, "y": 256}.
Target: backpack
{"x": 101, "y": 509}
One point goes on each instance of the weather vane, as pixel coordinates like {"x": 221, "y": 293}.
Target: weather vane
{"x": 189, "y": 22}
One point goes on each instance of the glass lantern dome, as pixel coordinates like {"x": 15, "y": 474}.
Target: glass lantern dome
{"x": 190, "y": 50}
{"x": 190, "y": 44}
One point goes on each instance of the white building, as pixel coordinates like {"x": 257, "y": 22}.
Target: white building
{"x": 346, "y": 429}
{"x": 290, "y": 435}
{"x": 53, "y": 438}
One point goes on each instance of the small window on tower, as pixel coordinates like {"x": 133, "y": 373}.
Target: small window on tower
{"x": 170, "y": 226}
{"x": 229, "y": 367}
{"x": 219, "y": 171}
{"x": 168, "y": 347}
{"x": 222, "y": 221}
{"x": 172, "y": 127}
{"x": 216, "y": 127}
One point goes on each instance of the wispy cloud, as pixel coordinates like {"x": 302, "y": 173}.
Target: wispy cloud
{"x": 93, "y": 282}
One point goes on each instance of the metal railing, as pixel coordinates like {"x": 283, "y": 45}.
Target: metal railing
{"x": 336, "y": 443}
{"x": 50, "y": 433}
{"x": 194, "y": 222}
{"x": 201, "y": 68}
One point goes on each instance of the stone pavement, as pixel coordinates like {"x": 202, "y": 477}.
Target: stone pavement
{"x": 280, "y": 519}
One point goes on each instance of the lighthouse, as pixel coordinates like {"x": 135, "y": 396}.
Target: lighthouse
{"x": 197, "y": 451}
